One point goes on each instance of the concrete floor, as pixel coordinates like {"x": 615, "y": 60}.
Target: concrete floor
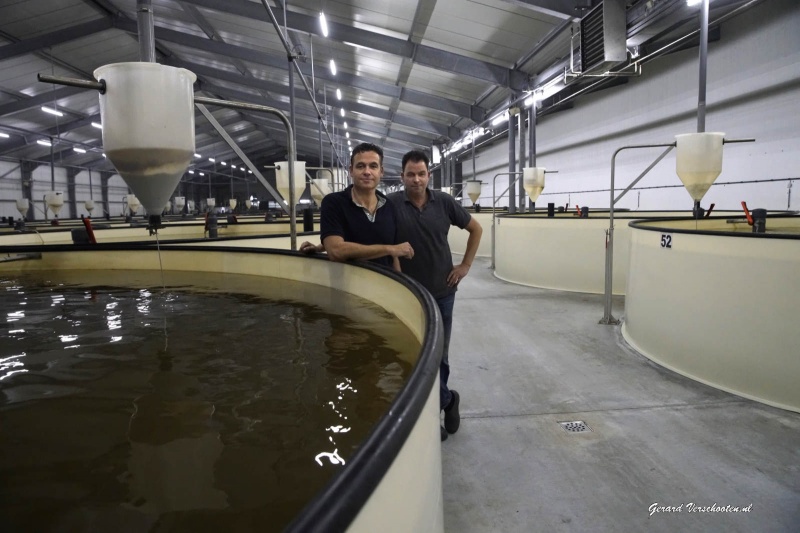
{"x": 525, "y": 359}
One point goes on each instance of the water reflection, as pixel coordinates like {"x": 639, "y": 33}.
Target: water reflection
{"x": 173, "y": 447}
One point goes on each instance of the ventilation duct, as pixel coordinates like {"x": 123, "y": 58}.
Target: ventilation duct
{"x": 603, "y": 36}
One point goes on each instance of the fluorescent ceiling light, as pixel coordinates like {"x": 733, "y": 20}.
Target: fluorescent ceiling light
{"x": 242, "y": 169}
{"x": 44, "y": 143}
{"x": 79, "y": 150}
{"x": 693, "y": 2}
{"x": 249, "y": 171}
{"x": 341, "y": 112}
{"x": 191, "y": 172}
{"x": 104, "y": 155}
{"x": 197, "y": 156}
{"x": 52, "y": 111}
{"x": 345, "y": 125}
{"x": 211, "y": 159}
{"x": 333, "y": 67}
{"x": 97, "y": 125}
{"x": 223, "y": 163}
{"x": 323, "y": 24}
{"x": 4, "y": 135}
{"x": 347, "y": 134}
{"x": 338, "y": 94}
{"x": 202, "y": 174}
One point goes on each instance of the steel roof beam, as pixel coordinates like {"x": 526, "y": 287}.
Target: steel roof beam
{"x": 424, "y": 55}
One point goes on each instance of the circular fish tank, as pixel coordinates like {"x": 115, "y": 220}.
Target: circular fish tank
{"x": 392, "y": 479}
{"x": 717, "y": 302}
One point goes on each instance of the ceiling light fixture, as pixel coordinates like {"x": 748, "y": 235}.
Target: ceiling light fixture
{"x": 4, "y": 135}
{"x": 338, "y": 94}
{"x": 43, "y": 143}
{"x": 97, "y": 125}
{"x": 333, "y": 67}
{"x": 191, "y": 172}
{"x": 345, "y": 125}
{"x": 212, "y": 159}
{"x": 198, "y": 156}
{"x": 52, "y": 111}
{"x": 691, "y": 3}
{"x": 323, "y": 24}
{"x": 223, "y": 163}
{"x": 79, "y": 150}
{"x": 341, "y": 111}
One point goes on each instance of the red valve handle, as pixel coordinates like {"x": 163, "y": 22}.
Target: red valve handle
{"x": 747, "y": 213}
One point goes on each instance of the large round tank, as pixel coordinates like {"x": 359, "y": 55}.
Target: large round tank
{"x": 699, "y": 161}
{"x": 393, "y": 481}
{"x": 148, "y": 127}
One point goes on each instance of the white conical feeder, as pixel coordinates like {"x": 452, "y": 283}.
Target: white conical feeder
{"x": 533, "y": 181}
{"x": 282, "y": 179}
{"x": 168, "y": 206}
{"x": 89, "y": 206}
{"x": 55, "y": 201}
{"x": 699, "y": 161}
{"x": 133, "y": 203}
{"x": 474, "y": 190}
{"x": 232, "y": 203}
{"x": 147, "y": 112}
{"x": 23, "y": 204}
{"x": 211, "y": 203}
{"x": 320, "y": 187}
{"x": 248, "y": 203}
{"x": 180, "y": 202}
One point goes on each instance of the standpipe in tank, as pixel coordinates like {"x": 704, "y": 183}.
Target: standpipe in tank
{"x": 147, "y": 111}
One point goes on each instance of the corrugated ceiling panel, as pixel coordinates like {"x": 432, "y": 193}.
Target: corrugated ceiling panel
{"x": 88, "y": 53}
{"x": 25, "y": 18}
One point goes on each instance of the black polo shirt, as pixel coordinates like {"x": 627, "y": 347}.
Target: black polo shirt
{"x": 339, "y": 215}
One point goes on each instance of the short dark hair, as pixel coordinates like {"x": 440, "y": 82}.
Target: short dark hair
{"x": 366, "y": 147}
{"x": 415, "y": 156}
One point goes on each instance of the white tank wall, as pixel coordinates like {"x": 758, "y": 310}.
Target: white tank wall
{"x": 753, "y": 87}
{"x": 719, "y": 309}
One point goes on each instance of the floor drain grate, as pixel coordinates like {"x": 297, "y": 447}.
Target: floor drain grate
{"x": 578, "y": 426}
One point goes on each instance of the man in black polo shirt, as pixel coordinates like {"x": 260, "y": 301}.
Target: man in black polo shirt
{"x": 357, "y": 223}
{"x": 424, "y": 218}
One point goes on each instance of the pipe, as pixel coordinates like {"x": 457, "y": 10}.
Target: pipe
{"x": 608, "y": 318}
{"x": 521, "y": 166}
{"x": 289, "y": 139}
{"x": 701, "y": 98}
{"x": 494, "y": 202}
{"x": 288, "y": 49}
{"x": 145, "y": 25}
{"x": 512, "y": 160}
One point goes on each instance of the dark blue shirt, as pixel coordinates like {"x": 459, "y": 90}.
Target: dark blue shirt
{"x": 426, "y": 231}
{"x": 339, "y": 215}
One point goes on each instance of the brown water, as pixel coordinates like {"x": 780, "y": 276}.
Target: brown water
{"x": 194, "y": 409}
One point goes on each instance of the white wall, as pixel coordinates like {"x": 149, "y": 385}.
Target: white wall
{"x": 753, "y": 91}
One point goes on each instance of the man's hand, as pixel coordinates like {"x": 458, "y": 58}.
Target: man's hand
{"x": 457, "y": 274}
{"x": 403, "y": 250}
{"x": 310, "y": 248}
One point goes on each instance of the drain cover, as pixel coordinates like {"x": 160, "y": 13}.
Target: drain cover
{"x": 577, "y": 426}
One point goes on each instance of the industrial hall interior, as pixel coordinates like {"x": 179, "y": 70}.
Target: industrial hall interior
{"x": 446, "y": 266}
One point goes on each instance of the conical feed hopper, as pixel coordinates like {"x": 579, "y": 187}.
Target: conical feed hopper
{"x": 23, "y": 204}
{"x": 474, "y": 190}
{"x": 699, "y": 161}
{"x": 533, "y": 181}
{"x": 148, "y": 127}
{"x": 282, "y": 179}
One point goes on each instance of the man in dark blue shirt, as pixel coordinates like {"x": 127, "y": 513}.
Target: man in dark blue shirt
{"x": 357, "y": 223}
{"x": 424, "y": 217}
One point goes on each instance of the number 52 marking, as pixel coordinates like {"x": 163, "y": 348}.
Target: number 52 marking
{"x": 666, "y": 240}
